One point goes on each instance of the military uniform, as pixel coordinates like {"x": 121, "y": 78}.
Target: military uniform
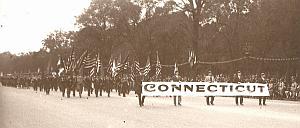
{"x": 263, "y": 81}
{"x": 210, "y": 99}
{"x": 177, "y": 78}
{"x": 138, "y": 91}
{"x": 238, "y": 79}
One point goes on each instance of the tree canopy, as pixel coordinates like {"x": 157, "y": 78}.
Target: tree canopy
{"x": 216, "y": 30}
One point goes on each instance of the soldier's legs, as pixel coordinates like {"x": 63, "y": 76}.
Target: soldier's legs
{"x": 108, "y": 92}
{"x": 96, "y": 92}
{"x": 100, "y": 91}
{"x": 207, "y": 100}
{"x": 179, "y": 100}
{"x": 237, "y": 100}
{"x": 143, "y": 100}
{"x": 118, "y": 90}
{"x": 63, "y": 92}
{"x": 174, "y": 100}
{"x": 241, "y": 100}
{"x": 89, "y": 91}
{"x": 264, "y": 100}
{"x": 54, "y": 88}
{"x": 73, "y": 89}
{"x": 140, "y": 100}
{"x": 259, "y": 99}
{"x": 68, "y": 92}
{"x": 80, "y": 91}
{"x": 124, "y": 92}
{"x": 212, "y": 100}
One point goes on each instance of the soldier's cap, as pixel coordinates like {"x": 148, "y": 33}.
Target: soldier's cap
{"x": 209, "y": 71}
{"x": 262, "y": 73}
{"x": 239, "y": 71}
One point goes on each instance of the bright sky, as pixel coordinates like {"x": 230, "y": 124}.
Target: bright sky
{"x": 25, "y": 23}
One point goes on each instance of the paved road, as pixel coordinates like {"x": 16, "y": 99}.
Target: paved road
{"x": 22, "y": 108}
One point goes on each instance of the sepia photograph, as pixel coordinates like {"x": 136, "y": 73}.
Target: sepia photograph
{"x": 149, "y": 64}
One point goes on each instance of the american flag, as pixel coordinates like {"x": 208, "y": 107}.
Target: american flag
{"x": 135, "y": 70}
{"x": 147, "y": 67}
{"x": 71, "y": 61}
{"x": 98, "y": 63}
{"x": 89, "y": 62}
{"x": 124, "y": 66}
{"x": 79, "y": 62}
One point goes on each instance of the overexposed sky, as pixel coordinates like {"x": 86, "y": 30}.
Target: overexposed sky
{"x": 25, "y": 23}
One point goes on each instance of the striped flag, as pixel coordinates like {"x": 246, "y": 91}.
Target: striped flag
{"x": 147, "y": 67}
{"x": 135, "y": 70}
{"x": 120, "y": 64}
{"x": 124, "y": 66}
{"x": 114, "y": 69}
{"x": 72, "y": 60}
{"x": 98, "y": 63}
{"x": 89, "y": 62}
{"x": 79, "y": 62}
{"x": 93, "y": 71}
{"x": 110, "y": 64}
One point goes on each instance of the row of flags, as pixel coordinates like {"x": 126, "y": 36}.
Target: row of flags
{"x": 95, "y": 67}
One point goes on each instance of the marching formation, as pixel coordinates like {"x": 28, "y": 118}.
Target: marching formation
{"x": 282, "y": 88}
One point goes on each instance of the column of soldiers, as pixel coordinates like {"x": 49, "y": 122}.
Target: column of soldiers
{"x": 68, "y": 85}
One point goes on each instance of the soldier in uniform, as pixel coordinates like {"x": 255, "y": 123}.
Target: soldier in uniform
{"x": 73, "y": 86}
{"x": 262, "y": 80}
{"x": 138, "y": 90}
{"x": 69, "y": 86}
{"x": 177, "y": 78}
{"x": 80, "y": 85}
{"x": 124, "y": 85}
{"x": 88, "y": 85}
{"x": 47, "y": 85}
{"x": 96, "y": 82}
{"x": 108, "y": 84}
{"x": 209, "y": 78}
{"x": 101, "y": 84}
{"x": 62, "y": 85}
{"x": 34, "y": 84}
{"x": 238, "y": 79}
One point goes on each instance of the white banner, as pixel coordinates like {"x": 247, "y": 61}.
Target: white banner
{"x": 203, "y": 89}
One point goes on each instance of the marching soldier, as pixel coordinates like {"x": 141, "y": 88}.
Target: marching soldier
{"x": 177, "y": 78}
{"x": 138, "y": 90}
{"x": 210, "y": 78}
{"x": 96, "y": 82}
{"x": 262, "y": 80}
{"x": 47, "y": 85}
{"x": 88, "y": 85}
{"x": 108, "y": 84}
{"x": 101, "y": 84}
{"x": 124, "y": 86}
{"x": 80, "y": 84}
{"x": 62, "y": 85}
{"x": 69, "y": 86}
{"x": 238, "y": 79}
